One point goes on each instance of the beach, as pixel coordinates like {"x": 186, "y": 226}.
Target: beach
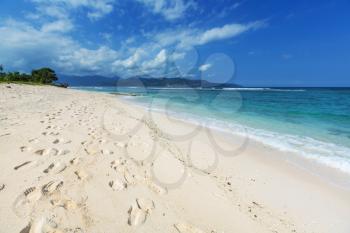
{"x": 77, "y": 161}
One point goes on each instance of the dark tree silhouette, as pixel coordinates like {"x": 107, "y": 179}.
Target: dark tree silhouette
{"x": 40, "y": 76}
{"x": 44, "y": 75}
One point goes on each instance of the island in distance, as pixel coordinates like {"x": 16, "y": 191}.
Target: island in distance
{"x": 141, "y": 81}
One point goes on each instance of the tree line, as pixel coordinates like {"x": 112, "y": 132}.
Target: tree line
{"x": 40, "y": 76}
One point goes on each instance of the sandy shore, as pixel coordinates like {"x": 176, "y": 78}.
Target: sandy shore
{"x": 74, "y": 161}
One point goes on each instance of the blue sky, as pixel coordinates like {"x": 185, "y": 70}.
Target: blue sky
{"x": 250, "y": 42}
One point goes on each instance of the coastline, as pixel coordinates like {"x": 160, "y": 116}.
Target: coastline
{"x": 258, "y": 190}
{"x": 332, "y": 175}
{"x": 318, "y": 144}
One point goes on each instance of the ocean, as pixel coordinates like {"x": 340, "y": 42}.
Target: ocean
{"x": 312, "y": 122}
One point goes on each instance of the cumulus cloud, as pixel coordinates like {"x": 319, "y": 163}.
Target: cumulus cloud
{"x": 169, "y": 9}
{"x": 100, "y": 9}
{"x": 51, "y": 45}
{"x": 87, "y": 61}
{"x": 159, "y": 60}
{"x": 49, "y": 41}
{"x": 29, "y": 44}
{"x": 182, "y": 40}
{"x": 204, "y": 67}
{"x": 131, "y": 61}
{"x": 35, "y": 47}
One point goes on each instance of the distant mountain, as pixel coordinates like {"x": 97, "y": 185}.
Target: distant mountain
{"x": 88, "y": 81}
{"x": 171, "y": 82}
{"x": 139, "y": 81}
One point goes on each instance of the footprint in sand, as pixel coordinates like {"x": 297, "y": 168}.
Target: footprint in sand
{"x": 130, "y": 177}
{"x": 61, "y": 141}
{"x": 41, "y": 224}
{"x": 55, "y": 168}
{"x": 25, "y": 148}
{"x": 117, "y": 164}
{"x": 63, "y": 152}
{"x": 34, "y": 140}
{"x": 21, "y": 165}
{"x": 49, "y": 152}
{"x": 56, "y": 141}
{"x": 118, "y": 184}
{"x": 187, "y": 228}
{"x": 139, "y": 211}
{"x": 106, "y": 152}
{"x": 54, "y": 133}
{"x": 157, "y": 188}
{"x": 51, "y": 187}
{"x": 81, "y": 174}
{"x": 102, "y": 141}
{"x": 145, "y": 204}
{"x": 75, "y": 161}
{"x": 39, "y": 152}
{"x": 25, "y": 201}
{"x": 127, "y": 170}
{"x": 120, "y": 144}
{"x": 67, "y": 204}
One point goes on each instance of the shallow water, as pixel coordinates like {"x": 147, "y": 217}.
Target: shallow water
{"x": 315, "y": 123}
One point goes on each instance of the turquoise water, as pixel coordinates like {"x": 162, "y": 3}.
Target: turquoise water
{"x": 315, "y": 123}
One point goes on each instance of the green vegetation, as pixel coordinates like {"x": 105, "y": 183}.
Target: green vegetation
{"x": 43, "y": 76}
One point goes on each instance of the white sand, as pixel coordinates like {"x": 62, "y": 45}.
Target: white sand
{"x": 72, "y": 161}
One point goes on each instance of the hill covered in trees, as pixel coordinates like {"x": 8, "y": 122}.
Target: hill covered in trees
{"x": 141, "y": 81}
{"x": 171, "y": 83}
{"x": 40, "y": 76}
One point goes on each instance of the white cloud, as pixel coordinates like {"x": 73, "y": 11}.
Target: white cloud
{"x": 169, "y": 9}
{"x": 51, "y": 45}
{"x": 158, "y": 61}
{"x": 100, "y": 9}
{"x": 227, "y": 31}
{"x": 57, "y": 26}
{"x": 145, "y": 60}
{"x": 227, "y": 10}
{"x": 181, "y": 40}
{"x": 53, "y": 11}
{"x": 96, "y": 9}
{"x": 204, "y": 67}
{"x": 131, "y": 61}
{"x": 87, "y": 60}
{"x": 47, "y": 42}
{"x": 37, "y": 47}
{"x": 33, "y": 46}
{"x": 192, "y": 37}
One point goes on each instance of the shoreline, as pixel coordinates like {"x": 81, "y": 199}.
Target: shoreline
{"x": 316, "y": 159}
{"x": 333, "y": 175}
{"x": 107, "y": 153}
